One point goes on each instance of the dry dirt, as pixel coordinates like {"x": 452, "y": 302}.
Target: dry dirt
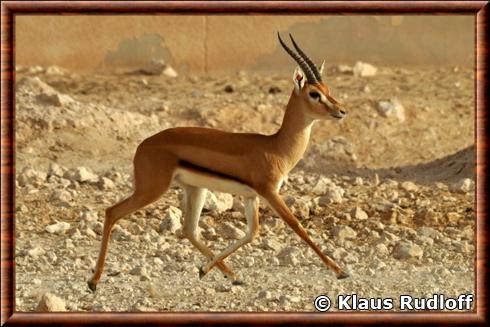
{"x": 411, "y": 181}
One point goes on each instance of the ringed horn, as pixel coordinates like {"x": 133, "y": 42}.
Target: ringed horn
{"x": 309, "y": 68}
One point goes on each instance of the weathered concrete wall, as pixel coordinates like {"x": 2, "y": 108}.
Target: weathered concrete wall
{"x": 201, "y": 44}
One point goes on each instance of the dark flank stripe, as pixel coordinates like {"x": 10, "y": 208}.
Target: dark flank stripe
{"x": 200, "y": 169}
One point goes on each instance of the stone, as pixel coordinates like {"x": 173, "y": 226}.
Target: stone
{"x": 265, "y": 294}
{"x": 344, "y": 69}
{"x": 362, "y": 69}
{"x": 120, "y": 234}
{"x": 270, "y": 244}
{"x": 321, "y": 186}
{"x": 391, "y": 109}
{"x": 81, "y": 174}
{"x": 299, "y": 206}
{"x": 171, "y": 220}
{"x": 55, "y": 71}
{"x": 359, "y": 214}
{"x": 89, "y": 215}
{"x": 289, "y": 256}
{"x": 406, "y": 250}
{"x": 464, "y": 185}
{"x": 106, "y": 184}
{"x": 219, "y": 202}
{"x": 55, "y": 99}
{"x": 58, "y": 228}
{"x": 229, "y": 89}
{"x": 50, "y": 303}
{"x": 56, "y": 170}
{"x": 61, "y": 195}
{"x": 343, "y": 232}
{"x": 30, "y": 176}
{"x": 229, "y": 231}
{"x": 426, "y": 216}
{"x": 139, "y": 271}
{"x": 170, "y": 72}
{"x": 409, "y": 186}
{"x": 381, "y": 250}
{"x": 36, "y": 252}
{"x": 209, "y": 233}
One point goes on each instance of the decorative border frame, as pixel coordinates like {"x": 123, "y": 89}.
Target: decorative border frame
{"x": 9, "y": 9}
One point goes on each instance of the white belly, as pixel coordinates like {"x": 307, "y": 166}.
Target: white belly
{"x": 214, "y": 183}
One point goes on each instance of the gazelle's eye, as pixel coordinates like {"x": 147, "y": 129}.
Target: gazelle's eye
{"x": 315, "y": 95}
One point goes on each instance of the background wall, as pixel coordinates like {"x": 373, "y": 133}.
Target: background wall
{"x": 200, "y": 44}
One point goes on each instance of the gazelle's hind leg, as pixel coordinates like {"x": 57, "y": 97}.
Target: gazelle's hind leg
{"x": 194, "y": 203}
{"x": 151, "y": 179}
{"x": 252, "y": 214}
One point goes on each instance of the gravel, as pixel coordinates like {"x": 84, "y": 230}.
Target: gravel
{"x": 396, "y": 230}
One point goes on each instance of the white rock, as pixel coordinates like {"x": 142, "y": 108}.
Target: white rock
{"x": 464, "y": 185}
{"x": 404, "y": 250}
{"x": 170, "y": 72}
{"x": 391, "y": 109}
{"x": 31, "y": 176}
{"x": 50, "y": 303}
{"x": 61, "y": 195}
{"x": 231, "y": 232}
{"x": 120, "y": 234}
{"x": 409, "y": 186}
{"x": 58, "y": 228}
{"x": 56, "y": 170}
{"x": 81, "y": 174}
{"x": 270, "y": 244}
{"x": 321, "y": 186}
{"x": 343, "y": 232}
{"x": 219, "y": 202}
{"x": 359, "y": 214}
{"x": 344, "y": 69}
{"x": 139, "y": 271}
{"x": 362, "y": 69}
{"x": 55, "y": 71}
{"x": 55, "y": 99}
{"x": 265, "y": 294}
{"x": 35, "y": 252}
{"x": 106, "y": 184}
{"x": 89, "y": 215}
{"x": 333, "y": 194}
{"x": 381, "y": 250}
{"x": 171, "y": 222}
{"x": 289, "y": 256}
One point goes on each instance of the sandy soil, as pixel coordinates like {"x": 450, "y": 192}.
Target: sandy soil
{"x": 390, "y": 199}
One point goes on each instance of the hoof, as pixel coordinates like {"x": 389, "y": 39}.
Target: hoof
{"x": 238, "y": 282}
{"x": 201, "y": 273}
{"x": 343, "y": 275}
{"x": 92, "y": 286}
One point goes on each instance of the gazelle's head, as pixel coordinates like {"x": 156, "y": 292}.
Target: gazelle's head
{"x": 310, "y": 88}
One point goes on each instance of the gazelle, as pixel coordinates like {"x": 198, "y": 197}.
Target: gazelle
{"x": 251, "y": 165}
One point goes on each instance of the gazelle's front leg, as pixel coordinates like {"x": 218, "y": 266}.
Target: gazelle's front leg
{"x": 252, "y": 214}
{"x": 194, "y": 202}
{"x": 277, "y": 203}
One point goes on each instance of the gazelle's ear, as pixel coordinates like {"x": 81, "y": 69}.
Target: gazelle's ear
{"x": 298, "y": 79}
{"x": 321, "y": 67}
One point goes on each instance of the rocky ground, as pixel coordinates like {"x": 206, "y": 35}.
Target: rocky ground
{"x": 388, "y": 193}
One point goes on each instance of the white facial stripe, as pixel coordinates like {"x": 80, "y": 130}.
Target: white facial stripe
{"x": 324, "y": 100}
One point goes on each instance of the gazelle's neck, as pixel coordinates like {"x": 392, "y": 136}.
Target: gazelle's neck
{"x": 292, "y": 137}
